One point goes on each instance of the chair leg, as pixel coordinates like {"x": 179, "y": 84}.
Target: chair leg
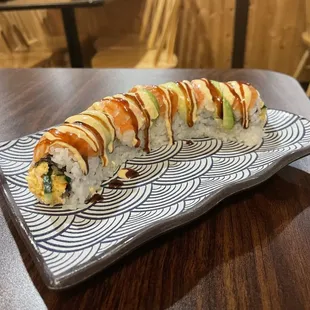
{"x": 301, "y": 63}
{"x": 308, "y": 90}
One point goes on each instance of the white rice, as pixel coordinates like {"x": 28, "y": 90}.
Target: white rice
{"x": 84, "y": 186}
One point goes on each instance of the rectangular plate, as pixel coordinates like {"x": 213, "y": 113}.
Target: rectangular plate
{"x": 176, "y": 184}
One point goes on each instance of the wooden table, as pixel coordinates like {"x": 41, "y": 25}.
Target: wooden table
{"x": 68, "y": 18}
{"x": 251, "y": 252}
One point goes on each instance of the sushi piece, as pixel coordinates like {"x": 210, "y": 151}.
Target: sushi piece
{"x": 71, "y": 161}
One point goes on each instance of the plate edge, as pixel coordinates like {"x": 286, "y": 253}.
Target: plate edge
{"x": 145, "y": 235}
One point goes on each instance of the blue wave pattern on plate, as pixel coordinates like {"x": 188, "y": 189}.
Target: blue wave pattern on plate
{"x": 172, "y": 180}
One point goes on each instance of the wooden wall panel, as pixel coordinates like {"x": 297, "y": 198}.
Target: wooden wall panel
{"x": 219, "y": 18}
{"x": 274, "y": 35}
{"x": 215, "y": 21}
{"x": 115, "y": 18}
{"x": 120, "y": 17}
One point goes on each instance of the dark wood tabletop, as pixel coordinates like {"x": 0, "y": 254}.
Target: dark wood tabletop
{"x": 251, "y": 252}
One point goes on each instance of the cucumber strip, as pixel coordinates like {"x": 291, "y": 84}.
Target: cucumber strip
{"x": 47, "y": 183}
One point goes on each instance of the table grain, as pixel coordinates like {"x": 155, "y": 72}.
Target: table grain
{"x": 250, "y": 252}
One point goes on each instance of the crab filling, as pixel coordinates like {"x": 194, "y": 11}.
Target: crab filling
{"x": 49, "y": 182}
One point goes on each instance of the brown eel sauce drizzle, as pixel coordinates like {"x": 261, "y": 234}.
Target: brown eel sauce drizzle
{"x": 98, "y": 137}
{"x": 115, "y": 183}
{"x": 216, "y": 97}
{"x": 174, "y": 102}
{"x": 189, "y": 106}
{"x": 131, "y": 173}
{"x": 237, "y": 101}
{"x": 100, "y": 120}
{"x": 140, "y": 104}
{"x": 95, "y": 198}
{"x": 168, "y": 107}
{"x": 121, "y": 103}
{"x": 103, "y": 124}
{"x": 192, "y": 98}
{"x": 71, "y": 139}
{"x": 245, "y": 122}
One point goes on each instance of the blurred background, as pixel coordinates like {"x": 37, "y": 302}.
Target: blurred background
{"x": 265, "y": 34}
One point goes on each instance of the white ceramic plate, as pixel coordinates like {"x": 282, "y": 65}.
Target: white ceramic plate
{"x": 175, "y": 185}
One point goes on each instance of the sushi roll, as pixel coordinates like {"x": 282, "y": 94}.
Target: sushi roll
{"x": 71, "y": 161}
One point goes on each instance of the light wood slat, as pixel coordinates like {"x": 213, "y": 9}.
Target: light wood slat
{"x": 111, "y": 21}
{"x": 274, "y": 38}
{"x": 155, "y": 24}
{"x": 301, "y": 64}
{"x": 167, "y": 34}
{"x": 15, "y": 48}
{"x": 146, "y": 18}
{"x": 183, "y": 33}
{"x": 173, "y": 34}
{"x": 157, "y": 51}
{"x": 308, "y": 16}
{"x": 191, "y": 42}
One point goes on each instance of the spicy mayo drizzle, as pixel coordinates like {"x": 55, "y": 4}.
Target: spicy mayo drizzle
{"x": 140, "y": 104}
{"x": 245, "y": 122}
{"x": 238, "y": 103}
{"x": 217, "y": 97}
{"x": 168, "y": 115}
{"x": 189, "y": 104}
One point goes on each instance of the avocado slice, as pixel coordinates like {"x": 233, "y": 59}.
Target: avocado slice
{"x": 150, "y": 102}
{"x": 153, "y": 98}
{"x": 216, "y": 84}
{"x": 228, "y": 115}
{"x": 182, "y": 108}
{"x": 107, "y": 127}
{"x": 47, "y": 183}
{"x": 218, "y": 108}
